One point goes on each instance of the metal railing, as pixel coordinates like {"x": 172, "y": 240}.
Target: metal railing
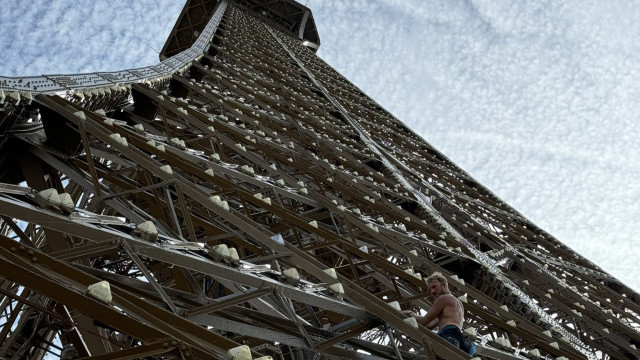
{"x": 107, "y": 81}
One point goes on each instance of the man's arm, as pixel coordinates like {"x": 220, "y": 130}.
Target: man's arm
{"x": 419, "y": 318}
{"x": 430, "y": 320}
{"x": 432, "y": 324}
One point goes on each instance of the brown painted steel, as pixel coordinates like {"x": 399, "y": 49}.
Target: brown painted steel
{"x": 333, "y": 207}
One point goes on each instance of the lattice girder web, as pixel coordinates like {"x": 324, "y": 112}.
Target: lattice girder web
{"x": 254, "y": 203}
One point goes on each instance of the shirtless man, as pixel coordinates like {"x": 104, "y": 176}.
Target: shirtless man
{"x": 446, "y": 314}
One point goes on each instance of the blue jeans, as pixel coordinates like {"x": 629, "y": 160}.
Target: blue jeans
{"x": 453, "y": 335}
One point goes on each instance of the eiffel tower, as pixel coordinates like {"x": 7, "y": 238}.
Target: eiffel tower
{"x": 243, "y": 200}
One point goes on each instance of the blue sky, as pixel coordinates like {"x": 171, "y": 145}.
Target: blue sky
{"x": 537, "y": 100}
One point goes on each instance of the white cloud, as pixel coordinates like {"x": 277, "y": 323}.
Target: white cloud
{"x": 537, "y": 100}
{"x": 63, "y": 36}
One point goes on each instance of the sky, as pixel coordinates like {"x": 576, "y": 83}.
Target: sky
{"x": 537, "y": 100}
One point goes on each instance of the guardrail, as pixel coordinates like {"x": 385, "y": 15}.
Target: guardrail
{"x": 112, "y": 81}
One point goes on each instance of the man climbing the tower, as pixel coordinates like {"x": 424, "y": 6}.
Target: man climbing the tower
{"x": 446, "y": 314}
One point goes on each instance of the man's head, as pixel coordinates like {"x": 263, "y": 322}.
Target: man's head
{"x": 437, "y": 284}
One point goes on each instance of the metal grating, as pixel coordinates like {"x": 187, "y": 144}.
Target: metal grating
{"x": 258, "y": 199}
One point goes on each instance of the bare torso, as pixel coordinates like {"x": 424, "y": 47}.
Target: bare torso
{"x": 446, "y": 309}
{"x": 452, "y": 312}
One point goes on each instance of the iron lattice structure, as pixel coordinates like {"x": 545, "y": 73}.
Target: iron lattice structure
{"x": 243, "y": 195}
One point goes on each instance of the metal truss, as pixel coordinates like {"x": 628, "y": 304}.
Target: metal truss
{"x": 256, "y": 204}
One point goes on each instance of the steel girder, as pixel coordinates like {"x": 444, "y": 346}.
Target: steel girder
{"x": 260, "y": 199}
